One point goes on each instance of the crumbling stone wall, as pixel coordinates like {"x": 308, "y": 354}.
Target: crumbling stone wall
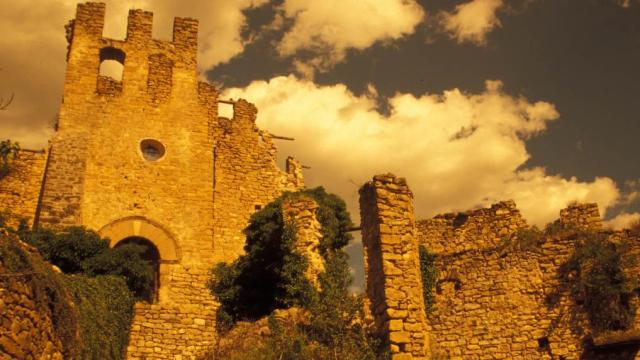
{"x": 393, "y": 279}
{"x": 26, "y": 329}
{"x": 300, "y": 213}
{"x": 497, "y": 301}
{"x": 20, "y": 189}
{"x": 246, "y": 178}
{"x": 472, "y": 230}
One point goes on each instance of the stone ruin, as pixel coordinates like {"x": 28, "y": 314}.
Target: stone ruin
{"x": 491, "y": 300}
{"x": 148, "y": 158}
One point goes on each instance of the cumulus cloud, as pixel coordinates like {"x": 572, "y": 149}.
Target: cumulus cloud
{"x": 34, "y": 46}
{"x": 472, "y": 21}
{"x": 326, "y": 30}
{"x": 457, "y": 150}
{"x": 623, "y": 221}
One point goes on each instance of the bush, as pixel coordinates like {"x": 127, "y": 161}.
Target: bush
{"x": 429, "y": 276}
{"x": 76, "y": 250}
{"x": 9, "y": 151}
{"x": 105, "y": 310}
{"x": 598, "y": 282}
{"x": 271, "y": 274}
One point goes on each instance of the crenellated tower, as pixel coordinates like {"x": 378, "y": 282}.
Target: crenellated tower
{"x": 142, "y": 156}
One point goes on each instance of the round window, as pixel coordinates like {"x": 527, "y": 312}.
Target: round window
{"x": 152, "y": 150}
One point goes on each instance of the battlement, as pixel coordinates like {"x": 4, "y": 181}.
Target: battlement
{"x": 90, "y": 16}
{"x": 137, "y": 66}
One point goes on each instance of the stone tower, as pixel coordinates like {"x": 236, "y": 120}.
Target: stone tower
{"x": 147, "y": 159}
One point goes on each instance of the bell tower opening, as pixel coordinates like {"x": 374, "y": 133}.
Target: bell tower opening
{"x": 152, "y": 256}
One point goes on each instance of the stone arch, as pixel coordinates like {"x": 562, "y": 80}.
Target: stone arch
{"x": 138, "y": 226}
{"x": 142, "y": 228}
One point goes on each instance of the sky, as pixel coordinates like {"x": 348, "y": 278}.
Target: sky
{"x": 473, "y": 101}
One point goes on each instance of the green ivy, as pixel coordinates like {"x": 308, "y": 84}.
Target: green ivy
{"x": 598, "y": 283}
{"x": 49, "y": 290}
{"x": 429, "y": 276}
{"x": 105, "y": 310}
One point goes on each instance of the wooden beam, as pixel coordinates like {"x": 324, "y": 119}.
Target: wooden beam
{"x": 281, "y": 137}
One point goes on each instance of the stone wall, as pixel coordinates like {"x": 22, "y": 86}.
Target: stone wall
{"x": 393, "y": 279}
{"x": 472, "y": 230}
{"x": 26, "y": 329}
{"x": 246, "y": 178}
{"x": 20, "y": 189}
{"x": 300, "y": 213}
{"x": 497, "y": 300}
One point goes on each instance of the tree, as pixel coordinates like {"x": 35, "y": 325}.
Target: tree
{"x": 9, "y": 151}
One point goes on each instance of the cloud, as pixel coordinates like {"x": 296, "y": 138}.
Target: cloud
{"x": 457, "y": 150}
{"x": 34, "y": 51}
{"x": 623, "y": 221}
{"x": 472, "y": 21}
{"x": 323, "y": 31}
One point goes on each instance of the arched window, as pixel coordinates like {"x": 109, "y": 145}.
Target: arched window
{"x": 112, "y": 63}
{"x": 111, "y": 71}
{"x": 152, "y": 256}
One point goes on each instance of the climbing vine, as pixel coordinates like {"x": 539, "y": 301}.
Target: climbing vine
{"x": 429, "y": 276}
{"x": 598, "y": 283}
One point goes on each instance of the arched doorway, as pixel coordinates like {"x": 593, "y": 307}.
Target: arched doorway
{"x": 151, "y": 255}
{"x": 161, "y": 248}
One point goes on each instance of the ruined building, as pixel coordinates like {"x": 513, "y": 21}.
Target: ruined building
{"x": 147, "y": 159}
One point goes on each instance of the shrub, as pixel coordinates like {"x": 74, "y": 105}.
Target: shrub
{"x": 429, "y": 276}
{"x": 598, "y": 282}
{"x": 76, "y": 250}
{"x": 271, "y": 274}
{"x": 105, "y": 310}
{"x": 9, "y": 151}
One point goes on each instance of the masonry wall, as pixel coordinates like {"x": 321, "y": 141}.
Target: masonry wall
{"x": 300, "y": 212}
{"x": 26, "y": 328}
{"x": 20, "y": 189}
{"x": 393, "y": 280}
{"x": 246, "y": 178}
{"x": 495, "y": 300}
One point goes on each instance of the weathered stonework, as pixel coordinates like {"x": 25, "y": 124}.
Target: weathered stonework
{"x": 26, "y": 329}
{"x": 498, "y": 301}
{"x": 190, "y": 196}
{"x": 20, "y": 189}
{"x": 392, "y": 269}
{"x": 300, "y": 213}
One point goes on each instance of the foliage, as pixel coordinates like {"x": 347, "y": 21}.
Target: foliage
{"x": 598, "y": 282}
{"x": 48, "y": 290}
{"x": 332, "y": 327}
{"x": 337, "y": 316}
{"x": 429, "y": 276}
{"x": 76, "y": 250}
{"x": 105, "y": 310}
{"x": 9, "y": 151}
{"x": 271, "y": 274}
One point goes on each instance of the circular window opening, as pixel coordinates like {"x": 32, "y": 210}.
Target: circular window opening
{"x": 152, "y": 150}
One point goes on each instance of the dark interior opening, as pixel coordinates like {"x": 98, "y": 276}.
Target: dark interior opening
{"x": 152, "y": 256}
